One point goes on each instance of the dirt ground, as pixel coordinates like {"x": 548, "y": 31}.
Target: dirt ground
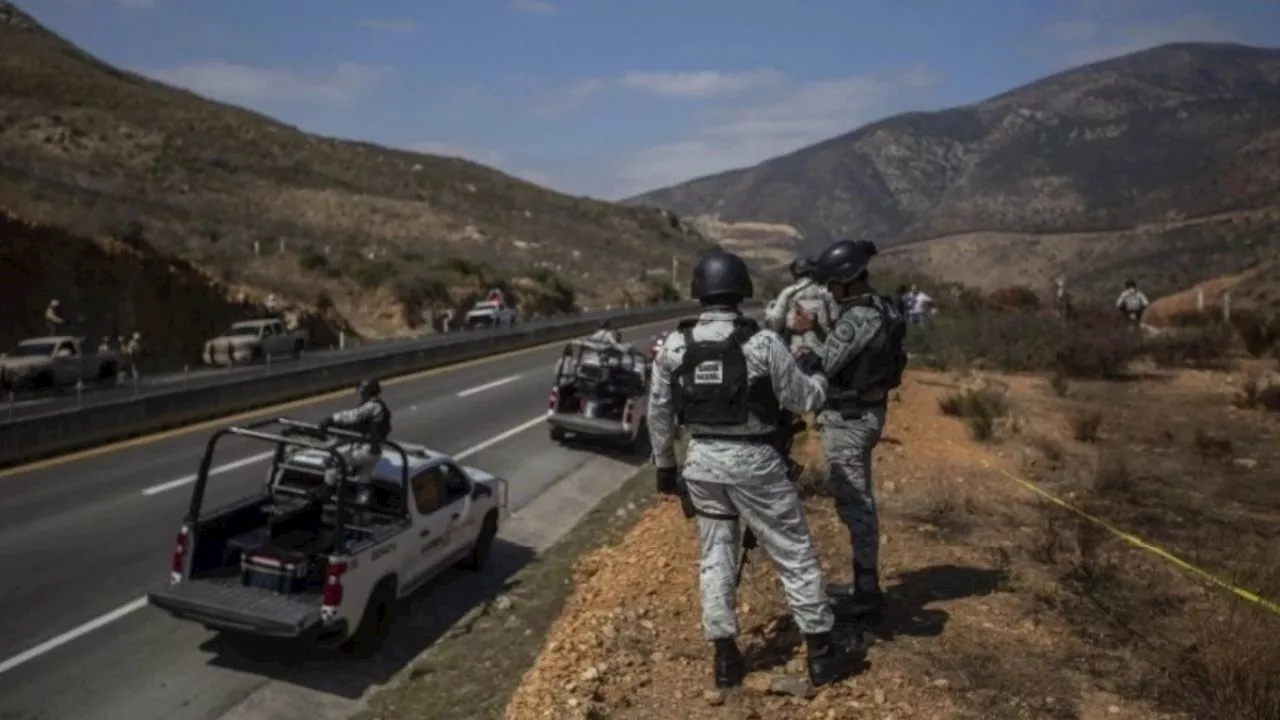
{"x": 1002, "y": 604}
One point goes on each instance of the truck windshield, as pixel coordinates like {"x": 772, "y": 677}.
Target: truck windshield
{"x": 242, "y": 330}
{"x": 32, "y": 350}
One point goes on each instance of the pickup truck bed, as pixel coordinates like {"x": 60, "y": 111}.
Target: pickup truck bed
{"x": 224, "y": 603}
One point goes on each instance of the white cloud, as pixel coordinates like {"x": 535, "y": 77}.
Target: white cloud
{"x": 703, "y": 84}
{"x": 232, "y": 82}
{"x": 1083, "y": 42}
{"x": 537, "y": 7}
{"x": 801, "y": 115}
{"x": 390, "y": 26}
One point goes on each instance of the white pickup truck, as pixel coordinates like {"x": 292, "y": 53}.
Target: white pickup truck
{"x": 493, "y": 312}
{"x": 54, "y": 362}
{"x": 253, "y": 341}
{"x": 308, "y": 559}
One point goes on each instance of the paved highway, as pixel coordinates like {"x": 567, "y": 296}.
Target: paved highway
{"x": 93, "y": 394}
{"x": 83, "y": 537}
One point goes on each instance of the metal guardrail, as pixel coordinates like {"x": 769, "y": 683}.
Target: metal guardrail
{"x": 121, "y": 416}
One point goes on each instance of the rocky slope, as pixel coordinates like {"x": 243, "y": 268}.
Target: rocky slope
{"x": 380, "y": 233}
{"x": 1146, "y": 140}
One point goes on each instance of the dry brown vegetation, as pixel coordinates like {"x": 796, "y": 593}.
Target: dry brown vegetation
{"x": 1003, "y": 603}
{"x": 379, "y": 233}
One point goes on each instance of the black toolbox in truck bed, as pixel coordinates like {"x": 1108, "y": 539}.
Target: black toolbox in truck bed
{"x": 226, "y": 604}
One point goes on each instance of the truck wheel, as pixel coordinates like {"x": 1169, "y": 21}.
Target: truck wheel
{"x": 297, "y": 349}
{"x": 43, "y": 381}
{"x": 107, "y": 372}
{"x": 557, "y": 434}
{"x": 484, "y": 544}
{"x": 257, "y": 354}
{"x": 371, "y": 633}
{"x": 639, "y": 444}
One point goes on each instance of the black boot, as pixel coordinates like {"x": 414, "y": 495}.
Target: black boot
{"x": 828, "y": 660}
{"x": 862, "y": 599}
{"x": 729, "y": 667}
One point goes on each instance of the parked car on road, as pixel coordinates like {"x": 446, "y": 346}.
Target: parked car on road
{"x": 252, "y": 341}
{"x": 54, "y": 362}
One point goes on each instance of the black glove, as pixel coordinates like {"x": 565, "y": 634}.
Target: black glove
{"x": 810, "y": 363}
{"x": 326, "y": 423}
{"x": 669, "y": 481}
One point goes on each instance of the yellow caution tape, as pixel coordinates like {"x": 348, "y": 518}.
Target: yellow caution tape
{"x": 1138, "y": 542}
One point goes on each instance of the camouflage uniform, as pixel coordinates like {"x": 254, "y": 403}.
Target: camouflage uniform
{"x": 780, "y": 315}
{"x": 728, "y": 478}
{"x": 849, "y": 437}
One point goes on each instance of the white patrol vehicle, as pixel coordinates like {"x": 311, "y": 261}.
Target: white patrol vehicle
{"x": 601, "y": 391}
{"x": 493, "y": 312}
{"x": 312, "y": 558}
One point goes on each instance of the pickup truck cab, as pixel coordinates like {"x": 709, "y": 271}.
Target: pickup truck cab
{"x": 254, "y": 341}
{"x": 54, "y": 362}
{"x": 304, "y": 559}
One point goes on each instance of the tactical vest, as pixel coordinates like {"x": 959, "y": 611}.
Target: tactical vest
{"x": 377, "y": 429}
{"x": 868, "y": 377}
{"x": 711, "y": 387}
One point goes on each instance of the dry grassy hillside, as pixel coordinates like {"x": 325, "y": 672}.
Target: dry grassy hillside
{"x": 1165, "y": 258}
{"x": 99, "y": 149}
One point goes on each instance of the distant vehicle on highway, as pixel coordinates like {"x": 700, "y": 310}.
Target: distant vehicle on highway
{"x": 55, "y": 361}
{"x": 252, "y": 341}
{"x": 495, "y": 311}
{"x": 309, "y": 558}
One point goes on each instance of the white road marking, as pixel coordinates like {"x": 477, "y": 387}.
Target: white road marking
{"x": 489, "y": 385}
{"x": 135, "y": 605}
{"x": 236, "y": 465}
{"x": 499, "y": 438}
{"x": 66, "y": 637}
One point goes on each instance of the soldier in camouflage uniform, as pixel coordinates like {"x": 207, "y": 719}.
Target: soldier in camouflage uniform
{"x": 863, "y": 359}
{"x": 724, "y": 380}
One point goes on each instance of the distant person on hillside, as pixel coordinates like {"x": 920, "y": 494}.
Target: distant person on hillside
{"x": 1061, "y": 297}
{"x": 918, "y": 305}
{"x": 1132, "y": 302}
{"x": 53, "y": 319}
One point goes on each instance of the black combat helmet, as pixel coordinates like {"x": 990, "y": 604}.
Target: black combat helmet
{"x": 721, "y": 276}
{"x": 369, "y": 389}
{"x": 801, "y": 267}
{"x": 844, "y": 261}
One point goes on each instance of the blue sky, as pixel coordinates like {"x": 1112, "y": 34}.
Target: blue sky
{"x": 613, "y": 97}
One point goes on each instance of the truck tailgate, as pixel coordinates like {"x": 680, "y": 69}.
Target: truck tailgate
{"x": 576, "y": 423}
{"x": 228, "y": 605}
